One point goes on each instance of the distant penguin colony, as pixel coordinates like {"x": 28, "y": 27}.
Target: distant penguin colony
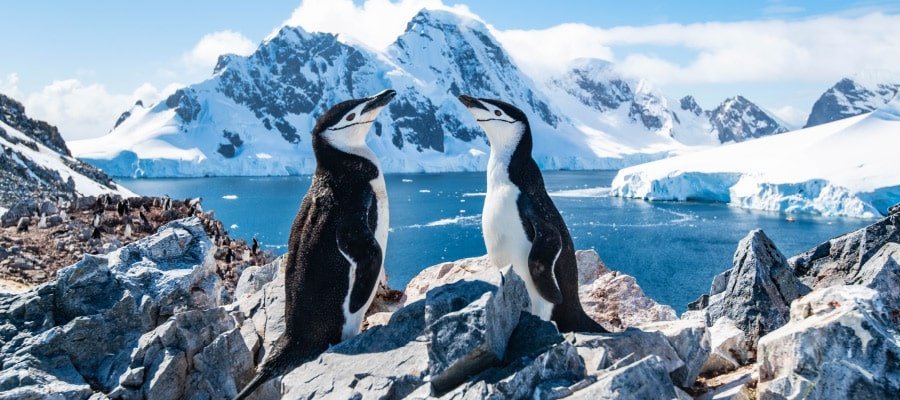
{"x": 337, "y": 242}
{"x": 520, "y": 223}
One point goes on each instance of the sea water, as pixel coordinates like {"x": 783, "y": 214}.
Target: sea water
{"x": 672, "y": 249}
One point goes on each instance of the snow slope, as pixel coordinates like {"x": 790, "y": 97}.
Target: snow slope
{"x": 843, "y": 168}
{"x": 254, "y": 115}
{"x": 39, "y": 161}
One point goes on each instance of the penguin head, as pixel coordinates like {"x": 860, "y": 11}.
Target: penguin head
{"x": 346, "y": 124}
{"x": 503, "y": 123}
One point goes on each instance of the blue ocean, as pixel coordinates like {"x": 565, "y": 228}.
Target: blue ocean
{"x": 673, "y": 249}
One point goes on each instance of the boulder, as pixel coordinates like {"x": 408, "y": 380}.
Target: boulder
{"x": 757, "y": 291}
{"x": 840, "y": 260}
{"x": 691, "y": 342}
{"x": 24, "y": 209}
{"x": 839, "y": 343}
{"x": 464, "y": 341}
{"x": 83, "y": 326}
{"x": 646, "y": 378}
{"x": 732, "y": 386}
{"x": 628, "y": 346}
{"x": 882, "y": 273}
{"x": 616, "y": 301}
{"x": 729, "y": 348}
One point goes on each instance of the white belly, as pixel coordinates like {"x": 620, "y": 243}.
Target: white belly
{"x": 353, "y": 321}
{"x": 506, "y": 240}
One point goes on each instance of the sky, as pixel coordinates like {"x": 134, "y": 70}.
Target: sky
{"x": 78, "y": 65}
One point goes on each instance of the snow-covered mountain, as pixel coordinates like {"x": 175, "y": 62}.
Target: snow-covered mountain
{"x": 842, "y": 168}
{"x": 849, "y": 98}
{"x": 253, "y": 116}
{"x": 35, "y": 162}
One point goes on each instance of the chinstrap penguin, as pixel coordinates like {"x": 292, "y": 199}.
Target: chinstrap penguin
{"x": 521, "y": 225}
{"x": 337, "y": 242}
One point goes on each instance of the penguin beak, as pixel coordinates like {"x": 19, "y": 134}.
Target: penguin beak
{"x": 379, "y": 100}
{"x": 471, "y": 102}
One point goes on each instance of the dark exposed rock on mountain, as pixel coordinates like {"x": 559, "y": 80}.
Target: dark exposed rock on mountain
{"x": 849, "y": 98}
{"x": 738, "y": 119}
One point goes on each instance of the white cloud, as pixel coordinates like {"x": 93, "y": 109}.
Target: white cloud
{"x": 10, "y": 86}
{"x": 206, "y": 52}
{"x": 375, "y": 23}
{"x": 820, "y": 49}
{"x": 81, "y": 110}
{"x": 791, "y": 115}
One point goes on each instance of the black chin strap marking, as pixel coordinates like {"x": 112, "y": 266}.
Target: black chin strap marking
{"x": 353, "y": 124}
{"x": 495, "y": 119}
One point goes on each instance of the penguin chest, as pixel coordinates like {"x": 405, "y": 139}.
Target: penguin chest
{"x": 504, "y": 235}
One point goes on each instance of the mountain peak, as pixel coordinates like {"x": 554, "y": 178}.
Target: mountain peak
{"x": 738, "y": 119}
{"x": 849, "y": 98}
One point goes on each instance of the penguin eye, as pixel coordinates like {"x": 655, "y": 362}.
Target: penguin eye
{"x": 351, "y": 116}
{"x": 497, "y": 113}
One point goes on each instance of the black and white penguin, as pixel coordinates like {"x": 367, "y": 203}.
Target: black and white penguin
{"x": 337, "y": 242}
{"x": 521, "y": 225}
{"x": 255, "y": 247}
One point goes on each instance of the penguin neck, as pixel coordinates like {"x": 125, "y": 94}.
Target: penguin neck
{"x": 355, "y": 161}
{"x": 510, "y": 160}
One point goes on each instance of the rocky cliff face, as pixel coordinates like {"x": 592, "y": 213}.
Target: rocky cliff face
{"x": 35, "y": 162}
{"x": 848, "y": 98}
{"x": 738, "y": 119}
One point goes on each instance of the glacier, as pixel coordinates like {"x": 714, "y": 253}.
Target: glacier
{"x": 253, "y": 115}
{"x": 846, "y": 168}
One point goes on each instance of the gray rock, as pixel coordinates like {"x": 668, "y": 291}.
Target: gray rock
{"x": 48, "y": 207}
{"x": 758, "y": 289}
{"x": 463, "y": 342}
{"x": 91, "y": 317}
{"x": 840, "y": 260}
{"x": 882, "y": 273}
{"x": 690, "y": 340}
{"x": 839, "y": 343}
{"x": 734, "y": 386}
{"x": 646, "y": 378}
{"x": 552, "y": 371}
{"x": 385, "y": 362}
{"x": 729, "y": 348}
{"x": 630, "y": 345}
{"x": 23, "y": 209}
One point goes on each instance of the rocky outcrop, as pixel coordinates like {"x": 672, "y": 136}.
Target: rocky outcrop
{"x": 613, "y": 299}
{"x": 755, "y": 294}
{"x": 867, "y": 257}
{"x": 77, "y": 333}
{"x": 840, "y": 343}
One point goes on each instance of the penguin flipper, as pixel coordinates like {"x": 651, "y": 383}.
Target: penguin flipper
{"x": 357, "y": 242}
{"x": 545, "y": 249}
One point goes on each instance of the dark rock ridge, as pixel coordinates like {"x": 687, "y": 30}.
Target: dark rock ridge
{"x": 848, "y": 98}
{"x": 24, "y": 176}
{"x": 738, "y": 119}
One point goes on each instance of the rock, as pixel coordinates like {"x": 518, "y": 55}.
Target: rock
{"x": 463, "y": 342}
{"x": 255, "y": 277}
{"x": 23, "y": 209}
{"x": 882, "y": 273}
{"x": 91, "y": 317}
{"x": 630, "y": 345}
{"x": 757, "y": 291}
{"x": 839, "y": 343}
{"x": 894, "y": 210}
{"x": 388, "y": 362}
{"x": 691, "y": 342}
{"x": 729, "y": 348}
{"x": 590, "y": 266}
{"x": 551, "y": 371}
{"x": 54, "y": 220}
{"x": 646, "y": 378}
{"x": 616, "y": 301}
{"x": 840, "y": 260}
{"x": 443, "y": 274}
{"x": 48, "y": 207}
{"x": 732, "y": 386}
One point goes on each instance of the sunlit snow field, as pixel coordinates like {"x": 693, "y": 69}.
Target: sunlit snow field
{"x": 673, "y": 249}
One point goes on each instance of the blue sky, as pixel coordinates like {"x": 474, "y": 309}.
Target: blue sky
{"x": 107, "y": 53}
